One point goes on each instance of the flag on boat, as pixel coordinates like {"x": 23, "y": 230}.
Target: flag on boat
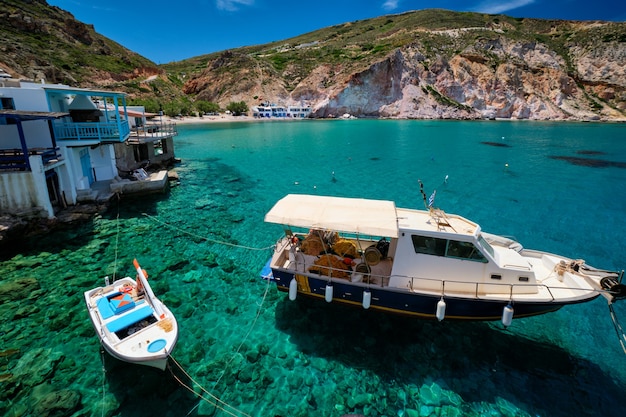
{"x": 431, "y": 199}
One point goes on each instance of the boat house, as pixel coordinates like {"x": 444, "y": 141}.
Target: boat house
{"x": 60, "y": 145}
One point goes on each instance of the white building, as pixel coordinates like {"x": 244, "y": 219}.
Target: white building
{"x": 282, "y": 112}
{"x": 56, "y": 141}
{"x": 299, "y": 112}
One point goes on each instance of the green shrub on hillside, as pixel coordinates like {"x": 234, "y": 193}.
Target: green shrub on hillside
{"x": 237, "y": 108}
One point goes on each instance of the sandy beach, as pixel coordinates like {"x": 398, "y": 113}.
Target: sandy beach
{"x": 205, "y": 119}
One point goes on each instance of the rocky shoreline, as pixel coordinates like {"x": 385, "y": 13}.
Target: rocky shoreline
{"x": 15, "y": 229}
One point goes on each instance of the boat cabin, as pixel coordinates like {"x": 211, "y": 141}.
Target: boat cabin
{"x": 422, "y": 250}
{"x": 435, "y": 247}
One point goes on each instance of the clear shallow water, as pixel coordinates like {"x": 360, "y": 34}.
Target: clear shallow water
{"x": 267, "y": 356}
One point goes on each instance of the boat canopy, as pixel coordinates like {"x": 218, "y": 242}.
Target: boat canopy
{"x": 356, "y": 215}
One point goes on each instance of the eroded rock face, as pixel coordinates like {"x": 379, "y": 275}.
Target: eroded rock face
{"x": 497, "y": 77}
{"x": 532, "y": 83}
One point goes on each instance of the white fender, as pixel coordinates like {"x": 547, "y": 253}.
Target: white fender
{"x": 441, "y": 309}
{"x": 329, "y": 293}
{"x": 367, "y": 299}
{"x": 293, "y": 289}
{"x": 507, "y": 315}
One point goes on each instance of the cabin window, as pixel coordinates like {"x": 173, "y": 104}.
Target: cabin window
{"x": 496, "y": 276}
{"x": 486, "y": 246}
{"x": 449, "y": 248}
{"x": 429, "y": 245}
{"x": 464, "y": 250}
{"x": 523, "y": 279}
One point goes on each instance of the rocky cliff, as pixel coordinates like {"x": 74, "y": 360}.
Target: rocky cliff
{"x": 451, "y": 66}
{"x": 45, "y": 43}
{"x": 425, "y": 64}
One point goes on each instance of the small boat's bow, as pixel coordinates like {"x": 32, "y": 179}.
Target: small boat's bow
{"x": 609, "y": 283}
{"x": 132, "y": 324}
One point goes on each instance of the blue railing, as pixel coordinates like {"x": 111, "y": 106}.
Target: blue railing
{"x": 152, "y": 131}
{"x": 103, "y": 132}
{"x": 16, "y": 160}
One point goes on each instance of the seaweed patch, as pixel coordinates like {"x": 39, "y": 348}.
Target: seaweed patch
{"x": 590, "y": 162}
{"x": 587, "y": 152}
{"x": 498, "y": 144}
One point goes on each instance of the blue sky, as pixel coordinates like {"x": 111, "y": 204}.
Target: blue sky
{"x": 172, "y": 30}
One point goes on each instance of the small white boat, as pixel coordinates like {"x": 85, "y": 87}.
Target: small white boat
{"x": 421, "y": 263}
{"x": 132, "y": 324}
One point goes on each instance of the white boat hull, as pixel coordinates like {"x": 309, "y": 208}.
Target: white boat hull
{"x": 423, "y": 263}
{"x": 143, "y": 331}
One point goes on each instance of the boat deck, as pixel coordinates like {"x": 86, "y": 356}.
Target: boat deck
{"x": 357, "y": 272}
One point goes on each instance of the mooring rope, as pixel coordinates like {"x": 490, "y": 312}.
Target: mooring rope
{"x": 211, "y": 399}
{"x": 117, "y": 237}
{"x": 258, "y": 313}
{"x": 218, "y": 400}
{"x": 621, "y": 335}
{"x": 220, "y": 242}
{"x": 104, "y": 372}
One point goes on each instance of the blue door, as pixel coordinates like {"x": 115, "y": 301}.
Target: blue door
{"x": 85, "y": 163}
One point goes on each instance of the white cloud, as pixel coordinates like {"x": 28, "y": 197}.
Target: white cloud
{"x": 495, "y": 6}
{"x": 390, "y": 5}
{"x": 232, "y": 5}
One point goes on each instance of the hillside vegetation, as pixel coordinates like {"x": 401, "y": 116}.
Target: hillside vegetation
{"x": 428, "y": 64}
{"x": 422, "y": 64}
{"x": 43, "y": 42}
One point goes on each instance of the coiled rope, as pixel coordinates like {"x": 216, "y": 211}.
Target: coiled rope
{"x": 220, "y": 242}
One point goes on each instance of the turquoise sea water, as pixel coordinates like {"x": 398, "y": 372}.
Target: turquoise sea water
{"x": 267, "y": 356}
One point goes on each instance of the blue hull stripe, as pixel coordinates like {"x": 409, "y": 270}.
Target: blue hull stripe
{"x": 417, "y": 305}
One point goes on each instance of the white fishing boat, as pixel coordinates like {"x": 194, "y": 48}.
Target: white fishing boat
{"x": 132, "y": 323}
{"x": 423, "y": 263}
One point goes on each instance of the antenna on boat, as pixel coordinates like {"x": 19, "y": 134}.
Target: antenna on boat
{"x": 422, "y": 192}
{"x": 438, "y": 216}
{"x": 431, "y": 200}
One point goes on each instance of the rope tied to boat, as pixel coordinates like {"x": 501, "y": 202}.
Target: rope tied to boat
{"x": 619, "y": 330}
{"x": 104, "y": 373}
{"x": 209, "y": 398}
{"x": 117, "y": 236}
{"x": 219, "y": 242}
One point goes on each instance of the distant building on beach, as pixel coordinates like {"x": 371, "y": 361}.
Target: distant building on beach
{"x": 269, "y": 111}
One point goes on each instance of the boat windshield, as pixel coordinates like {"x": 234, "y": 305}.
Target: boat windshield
{"x": 485, "y": 245}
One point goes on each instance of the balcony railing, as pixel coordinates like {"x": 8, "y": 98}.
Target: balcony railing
{"x": 152, "y": 131}
{"x": 102, "y": 132}
{"x": 16, "y": 160}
